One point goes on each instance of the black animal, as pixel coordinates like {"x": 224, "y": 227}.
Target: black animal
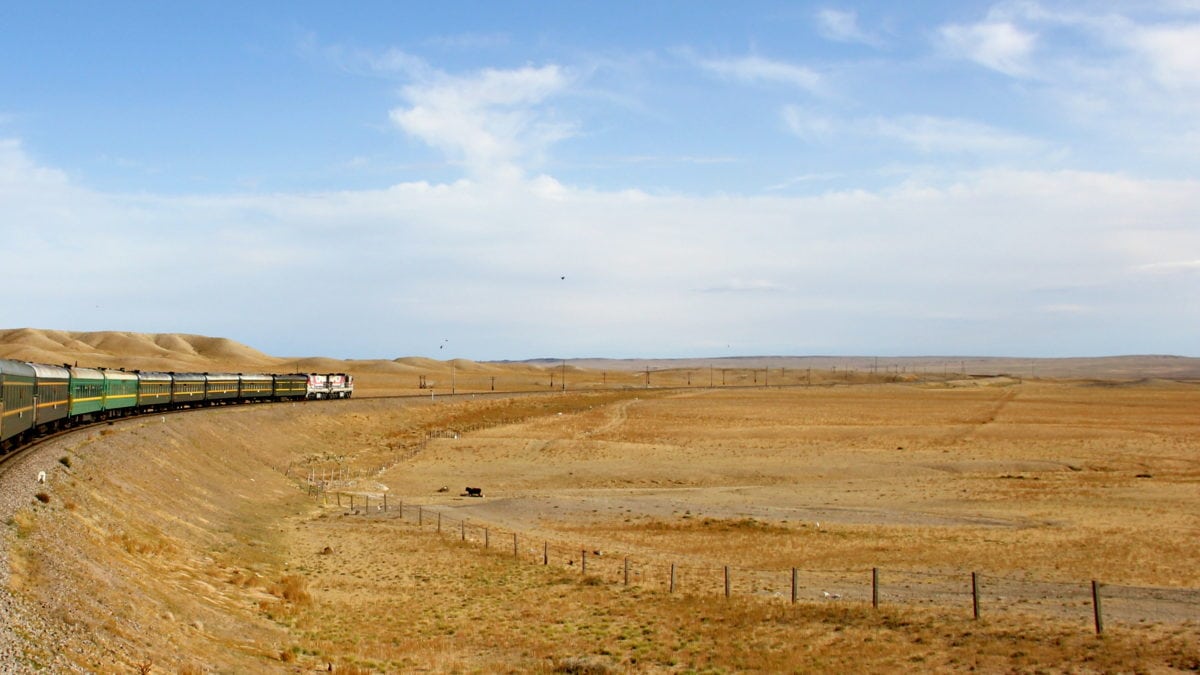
{"x": 474, "y": 492}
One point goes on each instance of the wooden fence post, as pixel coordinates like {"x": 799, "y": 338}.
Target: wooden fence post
{"x": 672, "y": 578}
{"x": 439, "y": 522}
{"x": 462, "y": 526}
{"x": 794, "y": 585}
{"x": 546, "y": 553}
{"x": 975, "y": 594}
{"x": 626, "y": 570}
{"x": 583, "y": 561}
{"x": 420, "y": 516}
{"x": 385, "y": 502}
{"x": 515, "y": 553}
{"x": 1096, "y": 607}
{"x": 875, "y": 587}
{"x": 727, "y": 581}
{"x": 339, "y": 498}
{"x": 351, "y": 501}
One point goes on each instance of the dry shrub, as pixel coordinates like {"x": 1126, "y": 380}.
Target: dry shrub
{"x": 134, "y": 545}
{"x": 292, "y": 588}
{"x": 43, "y": 497}
{"x": 24, "y": 522}
{"x": 243, "y": 579}
{"x": 577, "y": 665}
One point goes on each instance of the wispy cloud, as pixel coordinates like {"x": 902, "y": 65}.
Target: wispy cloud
{"x": 927, "y": 134}
{"x": 744, "y": 286}
{"x": 758, "y": 70}
{"x": 930, "y": 134}
{"x": 809, "y": 125}
{"x": 842, "y": 26}
{"x": 999, "y": 45}
{"x": 1171, "y": 267}
{"x": 472, "y": 40}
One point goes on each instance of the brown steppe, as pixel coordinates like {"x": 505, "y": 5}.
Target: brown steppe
{"x": 197, "y": 542}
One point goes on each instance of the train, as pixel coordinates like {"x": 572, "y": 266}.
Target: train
{"x": 36, "y": 399}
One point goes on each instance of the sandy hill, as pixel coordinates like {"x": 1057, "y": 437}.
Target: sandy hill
{"x": 117, "y": 349}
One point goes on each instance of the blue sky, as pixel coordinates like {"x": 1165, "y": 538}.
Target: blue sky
{"x": 535, "y": 179}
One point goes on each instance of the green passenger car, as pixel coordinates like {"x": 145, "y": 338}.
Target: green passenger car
{"x": 120, "y": 389}
{"x": 87, "y": 391}
{"x": 16, "y": 399}
{"x": 293, "y": 386}
{"x": 187, "y": 388}
{"x": 220, "y": 386}
{"x": 154, "y": 389}
{"x": 53, "y": 395}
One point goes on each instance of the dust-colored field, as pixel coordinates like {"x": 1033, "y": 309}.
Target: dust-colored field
{"x": 193, "y": 542}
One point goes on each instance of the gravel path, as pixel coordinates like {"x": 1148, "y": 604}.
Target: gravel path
{"x": 20, "y": 623}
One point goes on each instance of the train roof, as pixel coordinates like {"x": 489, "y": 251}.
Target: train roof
{"x": 188, "y": 377}
{"x": 153, "y": 376}
{"x": 45, "y": 370}
{"x": 16, "y": 368}
{"x": 119, "y": 375}
{"x": 254, "y": 376}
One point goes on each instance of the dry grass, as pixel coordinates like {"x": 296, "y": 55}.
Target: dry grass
{"x": 186, "y": 530}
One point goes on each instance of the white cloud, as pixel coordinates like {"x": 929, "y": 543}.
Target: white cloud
{"x": 490, "y": 121}
{"x": 758, "y": 70}
{"x": 1172, "y": 52}
{"x": 999, "y": 45}
{"x": 842, "y": 26}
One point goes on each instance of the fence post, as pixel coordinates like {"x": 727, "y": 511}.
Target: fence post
{"x": 339, "y": 498}
{"x": 487, "y": 539}
{"x": 672, "y": 578}
{"x": 515, "y": 554}
{"x": 727, "y": 581}
{"x": 546, "y": 553}
{"x": 794, "y": 585}
{"x": 875, "y": 587}
{"x": 439, "y": 522}
{"x": 975, "y": 593}
{"x": 1096, "y": 607}
{"x": 583, "y": 561}
{"x": 366, "y": 506}
{"x": 385, "y": 502}
{"x": 626, "y": 570}
{"x": 352, "y": 501}
{"x": 462, "y": 526}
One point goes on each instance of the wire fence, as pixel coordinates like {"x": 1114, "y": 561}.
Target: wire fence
{"x": 978, "y": 595}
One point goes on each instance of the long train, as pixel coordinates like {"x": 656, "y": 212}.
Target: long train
{"x": 36, "y": 399}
